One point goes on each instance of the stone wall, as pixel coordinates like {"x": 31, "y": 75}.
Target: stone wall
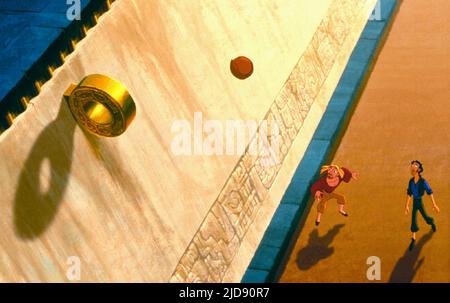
{"x": 128, "y": 207}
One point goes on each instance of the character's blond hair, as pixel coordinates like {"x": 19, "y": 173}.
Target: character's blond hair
{"x": 326, "y": 167}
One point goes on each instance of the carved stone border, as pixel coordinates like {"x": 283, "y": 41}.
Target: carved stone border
{"x": 220, "y": 235}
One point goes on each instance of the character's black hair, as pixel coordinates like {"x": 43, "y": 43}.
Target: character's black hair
{"x": 420, "y": 166}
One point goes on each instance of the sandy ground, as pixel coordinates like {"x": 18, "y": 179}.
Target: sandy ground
{"x": 403, "y": 114}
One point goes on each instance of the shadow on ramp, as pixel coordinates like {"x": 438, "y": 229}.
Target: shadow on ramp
{"x": 35, "y": 207}
{"x": 407, "y": 266}
{"x": 318, "y": 248}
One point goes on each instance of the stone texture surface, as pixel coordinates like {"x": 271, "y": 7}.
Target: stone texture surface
{"x": 128, "y": 207}
{"x": 288, "y": 111}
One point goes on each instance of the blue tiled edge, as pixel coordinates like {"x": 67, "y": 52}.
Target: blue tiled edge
{"x": 272, "y": 249}
{"x": 34, "y": 34}
{"x": 28, "y": 28}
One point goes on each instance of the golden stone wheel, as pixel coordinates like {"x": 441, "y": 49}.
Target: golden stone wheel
{"x": 101, "y": 105}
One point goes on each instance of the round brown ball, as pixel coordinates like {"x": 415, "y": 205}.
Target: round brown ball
{"x": 241, "y": 67}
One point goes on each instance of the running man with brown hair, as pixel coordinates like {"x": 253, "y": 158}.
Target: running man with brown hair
{"x": 323, "y": 188}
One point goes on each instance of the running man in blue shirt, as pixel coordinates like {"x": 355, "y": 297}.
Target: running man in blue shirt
{"x": 417, "y": 186}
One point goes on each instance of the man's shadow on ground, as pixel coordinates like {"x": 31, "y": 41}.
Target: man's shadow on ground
{"x": 318, "y": 248}
{"x": 407, "y": 266}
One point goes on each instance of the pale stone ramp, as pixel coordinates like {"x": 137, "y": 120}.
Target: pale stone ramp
{"x": 128, "y": 207}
